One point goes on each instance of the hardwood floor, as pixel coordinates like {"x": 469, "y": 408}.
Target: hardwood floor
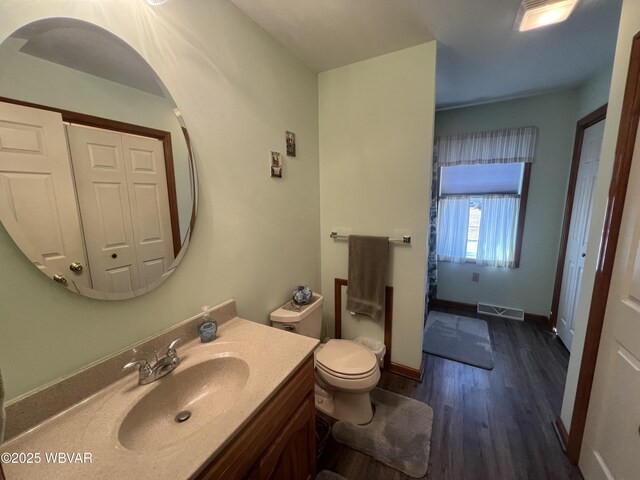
{"x": 487, "y": 424}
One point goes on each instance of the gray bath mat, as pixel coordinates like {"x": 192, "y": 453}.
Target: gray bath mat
{"x": 458, "y": 338}
{"x": 329, "y": 475}
{"x": 398, "y": 436}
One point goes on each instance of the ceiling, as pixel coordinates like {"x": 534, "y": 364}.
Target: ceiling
{"x": 481, "y": 57}
{"x": 89, "y": 49}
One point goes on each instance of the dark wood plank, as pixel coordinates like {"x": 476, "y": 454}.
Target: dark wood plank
{"x": 488, "y": 424}
{"x": 561, "y": 430}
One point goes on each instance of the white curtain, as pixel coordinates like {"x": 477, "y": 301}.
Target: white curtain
{"x": 497, "y": 236}
{"x": 509, "y": 145}
{"x": 453, "y": 222}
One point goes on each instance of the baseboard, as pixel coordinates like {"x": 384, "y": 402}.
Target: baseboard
{"x": 440, "y": 302}
{"x": 408, "y": 372}
{"x": 562, "y": 434}
{"x": 528, "y": 317}
{"x": 536, "y": 318}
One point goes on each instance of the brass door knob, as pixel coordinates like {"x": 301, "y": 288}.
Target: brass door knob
{"x": 76, "y": 267}
{"x": 60, "y": 279}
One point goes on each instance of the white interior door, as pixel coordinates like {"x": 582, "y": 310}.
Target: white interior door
{"x": 579, "y": 232}
{"x": 103, "y": 196}
{"x": 148, "y": 192}
{"x": 124, "y": 204}
{"x": 611, "y": 446}
{"x": 37, "y": 197}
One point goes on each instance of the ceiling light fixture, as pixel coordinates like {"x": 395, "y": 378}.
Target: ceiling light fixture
{"x": 539, "y": 13}
{"x": 156, "y": 2}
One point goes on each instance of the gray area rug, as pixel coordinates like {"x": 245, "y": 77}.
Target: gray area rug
{"x": 398, "y": 436}
{"x": 329, "y": 475}
{"x": 462, "y": 339}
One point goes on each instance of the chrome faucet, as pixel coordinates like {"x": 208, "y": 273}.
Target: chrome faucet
{"x": 148, "y": 374}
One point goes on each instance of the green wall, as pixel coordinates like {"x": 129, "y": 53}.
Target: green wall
{"x": 531, "y": 285}
{"x": 594, "y": 93}
{"x": 376, "y": 138}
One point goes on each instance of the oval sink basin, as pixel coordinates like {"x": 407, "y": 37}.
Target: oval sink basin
{"x": 200, "y": 393}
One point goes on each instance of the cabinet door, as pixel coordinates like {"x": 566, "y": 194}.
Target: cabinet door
{"x": 292, "y": 456}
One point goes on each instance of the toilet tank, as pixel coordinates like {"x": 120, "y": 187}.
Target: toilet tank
{"x": 308, "y": 321}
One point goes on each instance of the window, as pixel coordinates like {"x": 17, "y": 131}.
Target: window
{"x": 475, "y": 213}
{"x": 481, "y": 213}
{"x": 484, "y": 179}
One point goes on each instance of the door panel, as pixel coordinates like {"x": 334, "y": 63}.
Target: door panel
{"x": 124, "y": 204}
{"x": 579, "y": 231}
{"x": 103, "y": 196}
{"x": 31, "y": 200}
{"x": 21, "y": 138}
{"x": 616, "y": 457}
{"x": 37, "y": 195}
{"x": 148, "y": 213}
{"x": 110, "y": 201}
{"x": 120, "y": 279}
{"x": 104, "y": 157}
{"x": 153, "y": 269}
{"x": 612, "y": 433}
{"x": 147, "y": 183}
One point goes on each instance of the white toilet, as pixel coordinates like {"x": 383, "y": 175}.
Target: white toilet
{"x": 345, "y": 371}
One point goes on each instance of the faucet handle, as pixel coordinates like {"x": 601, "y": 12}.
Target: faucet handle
{"x": 171, "y": 349}
{"x": 143, "y": 365}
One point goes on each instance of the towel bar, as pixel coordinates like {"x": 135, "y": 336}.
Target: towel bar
{"x": 406, "y": 239}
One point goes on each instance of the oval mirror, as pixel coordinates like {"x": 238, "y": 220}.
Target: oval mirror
{"x": 97, "y": 179}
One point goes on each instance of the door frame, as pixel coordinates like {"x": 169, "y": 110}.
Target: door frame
{"x": 123, "y": 127}
{"x": 608, "y": 243}
{"x": 585, "y": 122}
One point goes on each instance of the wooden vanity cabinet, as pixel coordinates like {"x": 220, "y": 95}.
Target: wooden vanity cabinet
{"x": 290, "y": 455}
{"x": 279, "y": 443}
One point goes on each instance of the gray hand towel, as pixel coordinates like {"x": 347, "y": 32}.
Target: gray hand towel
{"x": 2, "y": 414}
{"x": 367, "y": 275}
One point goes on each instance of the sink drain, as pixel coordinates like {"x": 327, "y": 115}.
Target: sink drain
{"x": 183, "y": 416}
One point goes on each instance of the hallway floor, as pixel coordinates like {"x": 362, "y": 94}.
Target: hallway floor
{"x": 487, "y": 424}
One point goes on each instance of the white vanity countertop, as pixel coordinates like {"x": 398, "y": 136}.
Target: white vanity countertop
{"x": 91, "y": 427}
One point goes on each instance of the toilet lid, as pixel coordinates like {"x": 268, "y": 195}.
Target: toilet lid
{"x": 346, "y": 358}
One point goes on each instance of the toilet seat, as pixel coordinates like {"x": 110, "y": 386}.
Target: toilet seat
{"x": 349, "y": 385}
{"x": 343, "y": 376}
{"x": 346, "y": 358}
{"x": 345, "y": 365}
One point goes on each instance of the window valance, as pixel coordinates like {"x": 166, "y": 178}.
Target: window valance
{"x": 498, "y": 146}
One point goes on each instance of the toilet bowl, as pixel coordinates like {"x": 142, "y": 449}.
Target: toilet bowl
{"x": 345, "y": 371}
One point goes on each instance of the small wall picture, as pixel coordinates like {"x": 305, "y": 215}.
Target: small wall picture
{"x": 291, "y": 144}
{"x": 276, "y": 164}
